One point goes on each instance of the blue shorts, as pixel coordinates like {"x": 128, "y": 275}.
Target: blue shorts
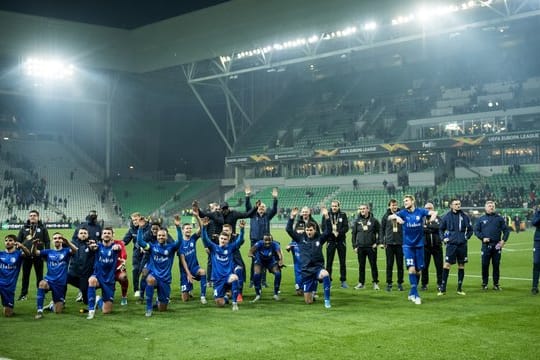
{"x": 107, "y": 290}
{"x": 311, "y": 282}
{"x": 220, "y": 287}
{"x": 456, "y": 253}
{"x": 185, "y": 285}
{"x": 414, "y": 257}
{"x": 8, "y": 296}
{"x": 58, "y": 291}
{"x": 268, "y": 264}
{"x": 163, "y": 291}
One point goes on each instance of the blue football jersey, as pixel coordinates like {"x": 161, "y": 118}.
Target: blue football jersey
{"x": 57, "y": 264}
{"x": 413, "y": 227}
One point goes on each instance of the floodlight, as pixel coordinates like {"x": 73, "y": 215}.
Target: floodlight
{"x": 52, "y": 69}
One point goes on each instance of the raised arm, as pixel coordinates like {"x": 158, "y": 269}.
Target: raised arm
{"x": 140, "y": 234}
{"x": 68, "y": 243}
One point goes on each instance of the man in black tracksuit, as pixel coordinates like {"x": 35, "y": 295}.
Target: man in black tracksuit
{"x": 311, "y": 256}
{"x": 365, "y": 237}
{"x": 392, "y": 239}
{"x": 489, "y": 228}
{"x": 32, "y": 229}
{"x": 81, "y": 264}
{"x": 336, "y": 241}
{"x": 432, "y": 249}
{"x": 138, "y": 253}
{"x": 455, "y": 230}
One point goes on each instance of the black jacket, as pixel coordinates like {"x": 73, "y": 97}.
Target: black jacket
{"x": 311, "y": 255}
{"x": 431, "y": 232}
{"x": 339, "y": 219}
{"x": 457, "y": 227}
{"x": 365, "y": 231}
{"x": 391, "y": 233}
{"x": 81, "y": 263}
{"x": 34, "y": 231}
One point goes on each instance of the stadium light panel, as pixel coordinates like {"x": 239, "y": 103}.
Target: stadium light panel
{"x": 51, "y": 69}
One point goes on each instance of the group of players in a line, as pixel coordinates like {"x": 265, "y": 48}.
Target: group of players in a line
{"x": 227, "y": 272}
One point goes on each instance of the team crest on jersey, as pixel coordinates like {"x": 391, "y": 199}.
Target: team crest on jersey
{"x": 484, "y": 222}
{"x": 317, "y": 243}
{"x": 166, "y": 252}
{"x": 109, "y": 253}
{"x": 226, "y": 252}
{"x": 191, "y": 245}
{"x": 12, "y": 260}
{"x": 61, "y": 257}
{"x": 417, "y": 218}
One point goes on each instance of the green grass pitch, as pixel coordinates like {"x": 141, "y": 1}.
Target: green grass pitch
{"x": 362, "y": 324}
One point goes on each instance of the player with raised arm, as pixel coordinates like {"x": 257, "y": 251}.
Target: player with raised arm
{"x": 57, "y": 269}
{"x": 267, "y": 254}
{"x": 106, "y": 256}
{"x": 223, "y": 264}
{"x": 311, "y": 256}
{"x": 412, "y": 220}
{"x": 159, "y": 266}
{"x": 10, "y": 266}
{"x": 190, "y": 269}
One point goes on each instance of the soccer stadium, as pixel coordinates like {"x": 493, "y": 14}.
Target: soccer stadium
{"x": 117, "y": 112}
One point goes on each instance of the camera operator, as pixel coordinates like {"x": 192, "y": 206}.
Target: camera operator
{"x": 32, "y": 229}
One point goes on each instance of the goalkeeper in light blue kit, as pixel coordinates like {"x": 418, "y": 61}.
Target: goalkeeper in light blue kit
{"x": 222, "y": 257}
{"x": 159, "y": 266}
{"x": 57, "y": 269}
{"x": 412, "y": 219}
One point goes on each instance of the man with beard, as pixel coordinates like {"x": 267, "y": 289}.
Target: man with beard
{"x": 32, "y": 229}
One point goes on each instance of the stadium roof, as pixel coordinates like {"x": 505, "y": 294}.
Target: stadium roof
{"x": 121, "y": 14}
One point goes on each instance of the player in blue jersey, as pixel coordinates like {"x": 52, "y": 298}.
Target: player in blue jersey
{"x": 222, "y": 257}
{"x": 189, "y": 264}
{"x": 57, "y": 270}
{"x": 238, "y": 263}
{"x": 107, "y": 253}
{"x": 412, "y": 219}
{"x": 311, "y": 256}
{"x": 266, "y": 254}
{"x": 10, "y": 266}
{"x": 160, "y": 262}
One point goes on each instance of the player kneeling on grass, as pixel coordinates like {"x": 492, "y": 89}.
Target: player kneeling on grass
{"x": 56, "y": 279}
{"x": 107, "y": 253}
{"x": 311, "y": 256}
{"x": 159, "y": 266}
{"x": 189, "y": 265}
{"x": 221, "y": 255}
{"x": 10, "y": 266}
{"x": 266, "y": 254}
